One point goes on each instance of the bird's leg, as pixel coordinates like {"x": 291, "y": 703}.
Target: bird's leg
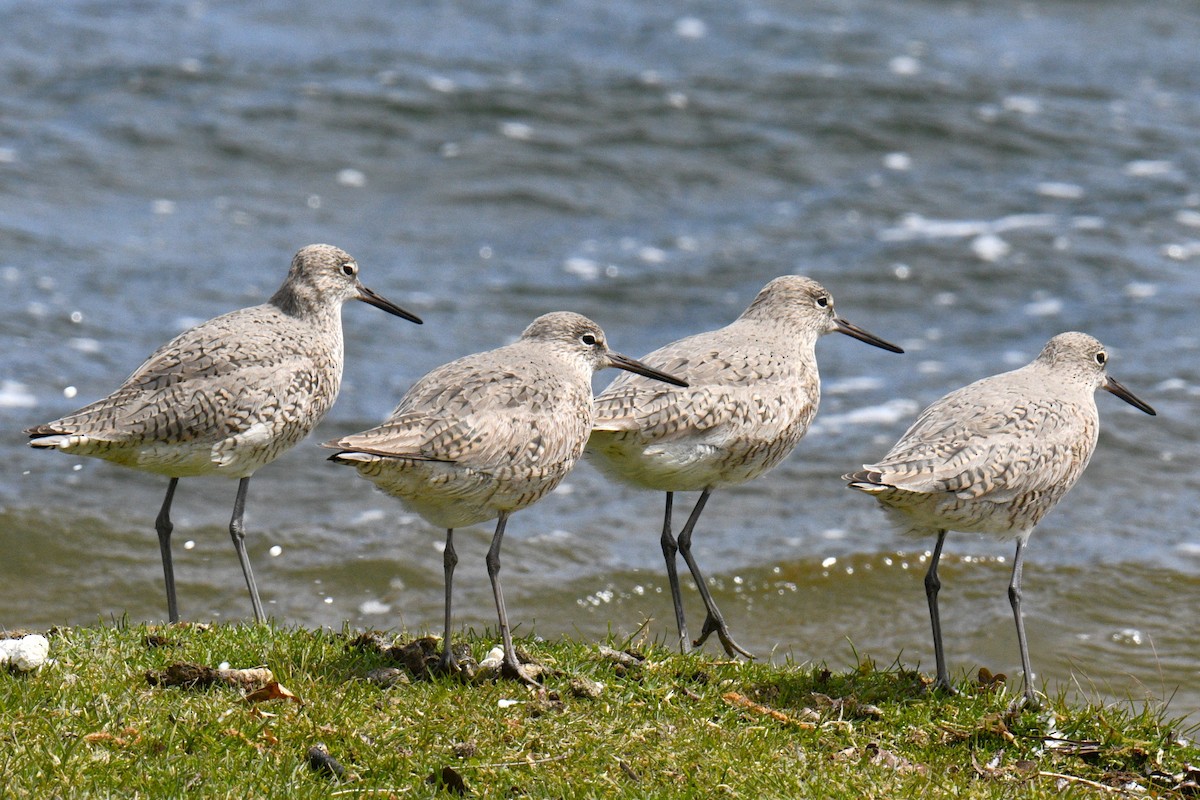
{"x": 932, "y": 585}
{"x": 714, "y": 622}
{"x": 670, "y": 547}
{"x": 237, "y": 532}
{"x": 162, "y": 524}
{"x": 1014, "y": 599}
{"x": 511, "y": 666}
{"x": 449, "y": 561}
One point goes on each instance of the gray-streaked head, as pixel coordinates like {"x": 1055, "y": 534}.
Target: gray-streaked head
{"x": 807, "y": 304}
{"x": 323, "y": 277}
{"x": 577, "y": 338}
{"x": 1079, "y": 357}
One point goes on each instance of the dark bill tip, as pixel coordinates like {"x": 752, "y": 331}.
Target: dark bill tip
{"x": 1114, "y": 386}
{"x": 863, "y": 336}
{"x": 633, "y": 365}
{"x": 367, "y": 296}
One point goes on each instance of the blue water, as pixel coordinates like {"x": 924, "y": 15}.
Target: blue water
{"x": 968, "y": 179}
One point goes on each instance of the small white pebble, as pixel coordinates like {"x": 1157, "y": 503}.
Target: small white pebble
{"x": 25, "y": 654}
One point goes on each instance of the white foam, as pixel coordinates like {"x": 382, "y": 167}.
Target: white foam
{"x": 1187, "y": 216}
{"x": 859, "y": 383}
{"x": 84, "y": 344}
{"x": 354, "y": 178}
{"x": 440, "y": 83}
{"x": 916, "y": 226}
{"x": 990, "y": 247}
{"x": 1182, "y": 251}
{"x": 14, "y": 394}
{"x": 1060, "y": 190}
{"x": 690, "y": 28}
{"x": 373, "y": 607}
{"x": 1149, "y": 168}
{"x": 580, "y": 267}
{"x": 904, "y": 65}
{"x": 1139, "y": 290}
{"x": 1044, "y": 307}
{"x": 1022, "y": 105}
{"x": 516, "y": 130}
{"x": 887, "y": 413}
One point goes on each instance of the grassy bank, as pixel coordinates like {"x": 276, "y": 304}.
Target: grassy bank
{"x": 103, "y": 721}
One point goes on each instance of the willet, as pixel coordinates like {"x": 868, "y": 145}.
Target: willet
{"x": 227, "y": 396}
{"x": 487, "y": 435}
{"x": 753, "y": 391}
{"x": 995, "y": 457}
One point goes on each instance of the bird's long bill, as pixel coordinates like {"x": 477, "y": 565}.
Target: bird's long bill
{"x": 842, "y": 326}
{"x": 633, "y": 365}
{"x": 367, "y": 296}
{"x": 1114, "y": 386}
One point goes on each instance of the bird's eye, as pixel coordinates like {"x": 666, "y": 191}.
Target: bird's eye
{"x": 1101, "y": 357}
{"x": 588, "y": 339}
{"x": 822, "y": 301}
{"x": 349, "y": 269}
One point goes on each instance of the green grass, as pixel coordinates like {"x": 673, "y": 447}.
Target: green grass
{"x": 91, "y": 724}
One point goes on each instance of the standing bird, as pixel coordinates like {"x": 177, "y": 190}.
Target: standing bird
{"x": 753, "y": 391}
{"x": 995, "y": 457}
{"x": 229, "y": 395}
{"x": 490, "y": 434}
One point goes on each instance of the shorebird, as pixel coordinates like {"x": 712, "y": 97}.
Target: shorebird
{"x": 753, "y": 391}
{"x": 995, "y": 457}
{"x": 487, "y": 435}
{"x": 227, "y": 396}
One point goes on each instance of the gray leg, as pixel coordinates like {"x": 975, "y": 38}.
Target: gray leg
{"x": 511, "y": 666}
{"x": 449, "y": 561}
{"x": 670, "y": 547}
{"x": 932, "y": 585}
{"x": 238, "y": 533}
{"x": 1014, "y": 599}
{"x": 714, "y": 622}
{"x": 164, "y": 527}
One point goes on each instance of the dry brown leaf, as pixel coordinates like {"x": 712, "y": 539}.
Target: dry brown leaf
{"x": 272, "y": 691}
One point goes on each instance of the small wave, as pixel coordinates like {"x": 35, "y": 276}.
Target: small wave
{"x": 916, "y": 226}
{"x": 888, "y": 413}
{"x": 14, "y": 394}
{"x": 855, "y": 385}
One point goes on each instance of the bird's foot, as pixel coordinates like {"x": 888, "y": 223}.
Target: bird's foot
{"x": 714, "y": 624}
{"x": 521, "y": 672}
{"x": 456, "y": 660}
{"x": 942, "y": 684}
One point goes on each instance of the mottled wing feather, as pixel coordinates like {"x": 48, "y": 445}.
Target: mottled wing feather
{"x": 747, "y": 386}
{"x": 477, "y": 415}
{"x": 977, "y": 443}
{"x": 206, "y": 385}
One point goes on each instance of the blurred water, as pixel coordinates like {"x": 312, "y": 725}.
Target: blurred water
{"x": 967, "y": 178}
